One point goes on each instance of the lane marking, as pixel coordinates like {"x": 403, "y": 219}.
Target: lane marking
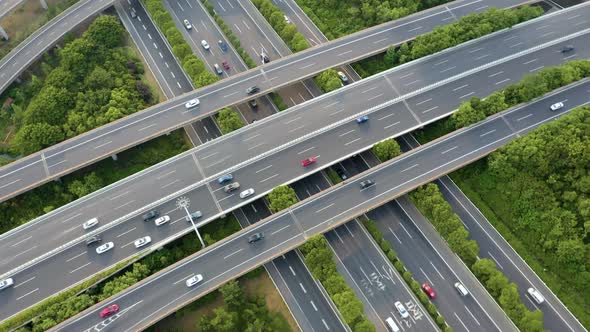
{"x": 280, "y": 229}
{"x": 263, "y": 169}
{"x": 268, "y": 178}
{"x": 24, "y": 282}
{"x": 449, "y": 150}
{"x": 127, "y": 232}
{"x": 487, "y": 133}
{"x": 29, "y": 293}
{"x": 325, "y": 207}
{"x": 21, "y": 241}
{"x": 78, "y": 255}
{"x": 233, "y": 253}
{"x": 391, "y": 125}
{"x": 79, "y": 268}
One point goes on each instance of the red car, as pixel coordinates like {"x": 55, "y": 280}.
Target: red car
{"x": 428, "y": 290}
{"x": 106, "y": 312}
{"x": 308, "y": 161}
{"x": 225, "y": 65}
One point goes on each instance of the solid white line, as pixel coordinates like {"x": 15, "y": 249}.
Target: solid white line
{"x": 325, "y": 207}
{"x": 8, "y": 184}
{"x": 81, "y": 267}
{"x": 233, "y": 253}
{"x": 465, "y": 326}
{"x": 78, "y": 255}
{"x": 280, "y": 229}
{"x": 495, "y": 260}
{"x": 263, "y": 169}
{"x": 29, "y": 293}
{"x": 437, "y": 271}
{"x": 472, "y": 316}
{"x": 126, "y": 232}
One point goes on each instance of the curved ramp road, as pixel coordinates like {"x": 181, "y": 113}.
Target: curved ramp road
{"x": 78, "y": 262}
{"x": 102, "y": 142}
{"x": 165, "y": 292}
{"x": 128, "y": 196}
{"x": 8, "y": 5}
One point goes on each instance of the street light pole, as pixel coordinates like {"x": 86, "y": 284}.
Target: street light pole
{"x": 194, "y": 226}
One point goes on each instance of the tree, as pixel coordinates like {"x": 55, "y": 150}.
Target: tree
{"x": 364, "y": 326}
{"x": 328, "y": 80}
{"x": 224, "y": 321}
{"x": 299, "y": 43}
{"x": 387, "y": 149}
{"x": 34, "y": 137}
{"x": 532, "y": 321}
{"x": 89, "y": 184}
{"x": 105, "y": 31}
{"x": 349, "y": 306}
{"x": 281, "y": 198}
{"x": 484, "y": 269}
{"x": 496, "y": 283}
{"x": 229, "y": 120}
{"x": 510, "y": 302}
{"x": 466, "y": 115}
{"x": 233, "y": 295}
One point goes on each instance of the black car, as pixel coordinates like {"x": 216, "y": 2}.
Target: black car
{"x": 222, "y": 45}
{"x": 252, "y": 90}
{"x": 567, "y": 48}
{"x": 341, "y": 173}
{"x": 264, "y": 57}
{"x": 367, "y": 184}
{"x": 153, "y": 214}
{"x": 255, "y": 237}
{"x": 253, "y": 104}
{"x": 93, "y": 239}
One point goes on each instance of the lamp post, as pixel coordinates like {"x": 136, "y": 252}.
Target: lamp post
{"x": 184, "y": 202}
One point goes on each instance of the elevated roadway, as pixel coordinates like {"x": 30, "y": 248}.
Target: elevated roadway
{"x": 148, "y": 301}
{"x": 97, "y": 144}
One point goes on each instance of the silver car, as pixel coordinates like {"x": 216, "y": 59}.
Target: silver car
{"x": 401, "y": 309}
{"x": 105, "y": 247}
{"x": 6, "y": 283}
{"x": 142, "y": 241}
{"x": 194, "y": 280}
{"x": 247, "y": 193}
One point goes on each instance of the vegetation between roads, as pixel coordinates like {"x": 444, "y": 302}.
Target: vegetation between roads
{"x": 435, "y": 208}
{"x": 318, "y": 257}
{"x": 391, "y": 255}
{"x": 467, "y": 28}
{"x": 387, "y": 149}
{"x": 536, "y": 193}
{"x": 287, "y": 31}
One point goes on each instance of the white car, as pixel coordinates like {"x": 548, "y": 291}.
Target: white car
{"x": 204, "y": 44}
{"x": 194, "y": 280}
{"x": 6, "y": 283}
{"x": 192, "y": 103}
{"x": 287, "y": 20}
{"x": 536, "y": 295}
{"x": 343, "y": 77}
{"x": 187, "y": 25}
{"x": 246, "y": 193}
{"x": 556, "y": 106}
{"x": 461, "y": 289}
{"x": 162, "y": 220}
{"x": 142, "y": 241}
{"x": 90, "y": 223}
{"x": 105, "y": 247}
{"x": 401, "y": 309}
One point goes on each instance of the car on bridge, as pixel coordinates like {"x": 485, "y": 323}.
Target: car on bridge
{"x": 108, "y": 311}
{"x": 308, "y": 161}
{"x": 194, "y": 280}
{"x": 428, "y": 290}
{"x": 6, "y": 283}
{"x": 105, "y": 247}
{"x": 142, "y": 241}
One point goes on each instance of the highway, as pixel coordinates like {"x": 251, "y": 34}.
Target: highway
{"x": 75, "y": 153}
{"x": 418, "y": 254}
{"x": 323, "y": 212}
{"x": 7, "y": 6}
{"x": 260, "y": 174}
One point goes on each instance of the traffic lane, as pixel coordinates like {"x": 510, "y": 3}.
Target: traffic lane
{"x": 206, "y": 129}
{"x": 428, "y": 105}
{"x": 7, "y": 5}
{"x": 524, "y": 120}
{"x": 65, "y": 225}
{"x": 42, "y": 39}
{"x": 375, "y": 277}
{"x": 79, "y": 261}
{"x": 218, "y": 265}
{"x": 410, "y": 169}
{"x": 291, "y": 126}
{"x": 462, "y": 313}
{"x": 556, "y": 317}
{"x": 307, "y": 28}
{"x": 276, "y": 169}
{"x": 160, "y": 56}
{"x": 90, "y": 139}
{"x": 31, "y": 169}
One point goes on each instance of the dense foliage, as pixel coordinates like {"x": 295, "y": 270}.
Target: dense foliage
{"x": 429, "y": 200}
{"x": 337, "y": 18}
{"x": 281, "y": 198}
{"x": 538, "y": 190}
{"x": 194, "y": 67}
{"x": 70, "y": 305}
{"x": 467, "y": 28}
{"x": 229, "y": 120}
{"x": 391, "y": 255}
{"x": 229, "y": 34}
{"x": 91, "y": 82}
{"x": 319, "y": 259}
{"x": 328, "y": 80}
{"x": 241, "y": 313}
{"x": 530, "y": 87}
{"x": 43, "y": 199}
{"x": 288, "y": 32}
{"x": 387, "y": 149}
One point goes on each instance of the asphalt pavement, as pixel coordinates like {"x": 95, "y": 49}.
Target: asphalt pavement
{"x": 331, "y": 145}
{"x": 7, "y": 6}
{"x": 227, "y": 259}
{"x": 63, "y": 158}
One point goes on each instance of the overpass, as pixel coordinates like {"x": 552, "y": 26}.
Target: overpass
{"x": 83, "y": 150}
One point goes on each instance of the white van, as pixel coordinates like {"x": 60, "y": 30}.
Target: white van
{"x": 461, "y": 289}
{"x": 536, "y": 295}
{"x": 391, "y": 325}
{"x": 90, "y": 223}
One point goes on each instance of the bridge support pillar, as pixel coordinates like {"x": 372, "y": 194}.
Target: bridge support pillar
{"x": 3, "y": 33}
{"x": 43, "y": 4}
{"x": 114, "y": 156}
{"x": 58, "y": 180}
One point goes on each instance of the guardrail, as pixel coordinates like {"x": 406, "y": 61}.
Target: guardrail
{"x": 294, "y": 142}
